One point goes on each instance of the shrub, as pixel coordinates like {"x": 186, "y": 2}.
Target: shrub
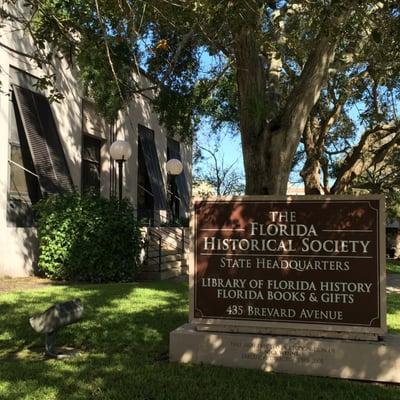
{"x": 87, "y": 238}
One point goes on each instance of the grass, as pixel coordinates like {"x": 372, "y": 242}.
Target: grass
{"x": 393, "y": 313}
{"x": 393, "y": 266}
{"x": 124, "y": 345}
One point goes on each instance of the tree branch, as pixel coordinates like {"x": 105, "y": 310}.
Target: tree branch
{"x": 104, "y": 33}
{"x": 358, "y": 160}
{"x": 178, "y": 52}
{"x": 312, "y": 79}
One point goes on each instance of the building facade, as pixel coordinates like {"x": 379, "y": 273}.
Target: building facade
{"x": 48, "y": 147}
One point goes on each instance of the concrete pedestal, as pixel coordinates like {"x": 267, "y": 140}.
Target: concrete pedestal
{"x": 350, "y": 359}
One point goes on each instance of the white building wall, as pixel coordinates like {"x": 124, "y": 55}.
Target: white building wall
{"x": 18, "y": 246}
{"x": 139, "y": 112}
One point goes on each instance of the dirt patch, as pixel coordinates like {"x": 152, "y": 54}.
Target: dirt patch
{"x": 16, "y": 284}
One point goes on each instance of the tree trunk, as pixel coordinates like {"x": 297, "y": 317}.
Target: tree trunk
{"x": 269, "y": 148}
{"x": 313, "y": 146}
{"x": 311, "y": 176}
{"x": 265, "y": 166}
{"x": 251, "y": 81}
{"x": 269, "y": 142}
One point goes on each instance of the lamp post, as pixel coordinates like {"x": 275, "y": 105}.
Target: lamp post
{"x": 174, "y": 168}
{"x": 120, "y": 151}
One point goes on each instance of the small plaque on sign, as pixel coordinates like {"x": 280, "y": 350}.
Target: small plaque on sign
{"x": 307, "y": 263}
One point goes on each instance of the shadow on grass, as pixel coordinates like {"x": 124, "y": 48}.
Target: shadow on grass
{"x": 124, "y": 339}
{"x": 117, "y": 317}
{"x": 393, "y": 312}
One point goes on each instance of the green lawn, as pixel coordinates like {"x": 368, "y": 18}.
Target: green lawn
{"x": 124, "y": 341}
{"x": 393, "y": 267}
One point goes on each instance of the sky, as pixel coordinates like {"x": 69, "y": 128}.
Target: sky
{"x": 230, "y": 144}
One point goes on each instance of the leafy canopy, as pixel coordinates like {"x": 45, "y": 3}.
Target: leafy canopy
{"x": 190, "y": 49}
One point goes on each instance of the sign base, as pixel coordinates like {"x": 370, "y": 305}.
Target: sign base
{"x": 288, "y": 332}
{"x": 347, "y": 359}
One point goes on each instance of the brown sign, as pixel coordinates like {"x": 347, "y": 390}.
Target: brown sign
{"x": 307, "y": 262}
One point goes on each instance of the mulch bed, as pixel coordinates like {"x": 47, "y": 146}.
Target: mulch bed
{"x": 15, "y": 284}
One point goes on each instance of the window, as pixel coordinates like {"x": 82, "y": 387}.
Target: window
{"x": 179, "y": 186}
{"x": 91, "y": 164}
{"x": 37, "y": 164}
{"x": 173, "y": 194}
{"x": 145, "y": 202}
{"x": 149, "y": 168}
{"x": 44, "y": 142}
{"x": 23, "y": 187}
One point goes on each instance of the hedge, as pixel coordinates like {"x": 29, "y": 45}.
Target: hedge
{"x": 87, "y": 238}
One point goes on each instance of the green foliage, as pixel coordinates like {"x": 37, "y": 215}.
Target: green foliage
{"x": 176, "y": 112}
{"x": 220, "y": 104}
{"x": 87, "y": 238}
{"x": 101, "y": 43}
{"x": 393, "y": 267}
{"x": 193, "y": 51}
{"x": 383, "y": 178}
{"x": 108, "y": 95}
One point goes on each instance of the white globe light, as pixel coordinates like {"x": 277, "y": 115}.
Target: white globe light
{"x": 174, "y": 167}
{"x": 120, "y": 150}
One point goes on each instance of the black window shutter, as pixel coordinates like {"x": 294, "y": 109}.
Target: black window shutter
{"x": 153, "y": 167}
{"x": 44, "y": 142}
{"x": 91, "y": 161}
{"x": 181, "y": 182}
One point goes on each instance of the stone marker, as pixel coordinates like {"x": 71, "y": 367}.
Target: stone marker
{"x": 54, "y": 318}
{"x": 350, "y": 359}
{"x": 293, "y": 274}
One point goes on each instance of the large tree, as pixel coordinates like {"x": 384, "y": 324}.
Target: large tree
{"x": 271, "y": 62}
